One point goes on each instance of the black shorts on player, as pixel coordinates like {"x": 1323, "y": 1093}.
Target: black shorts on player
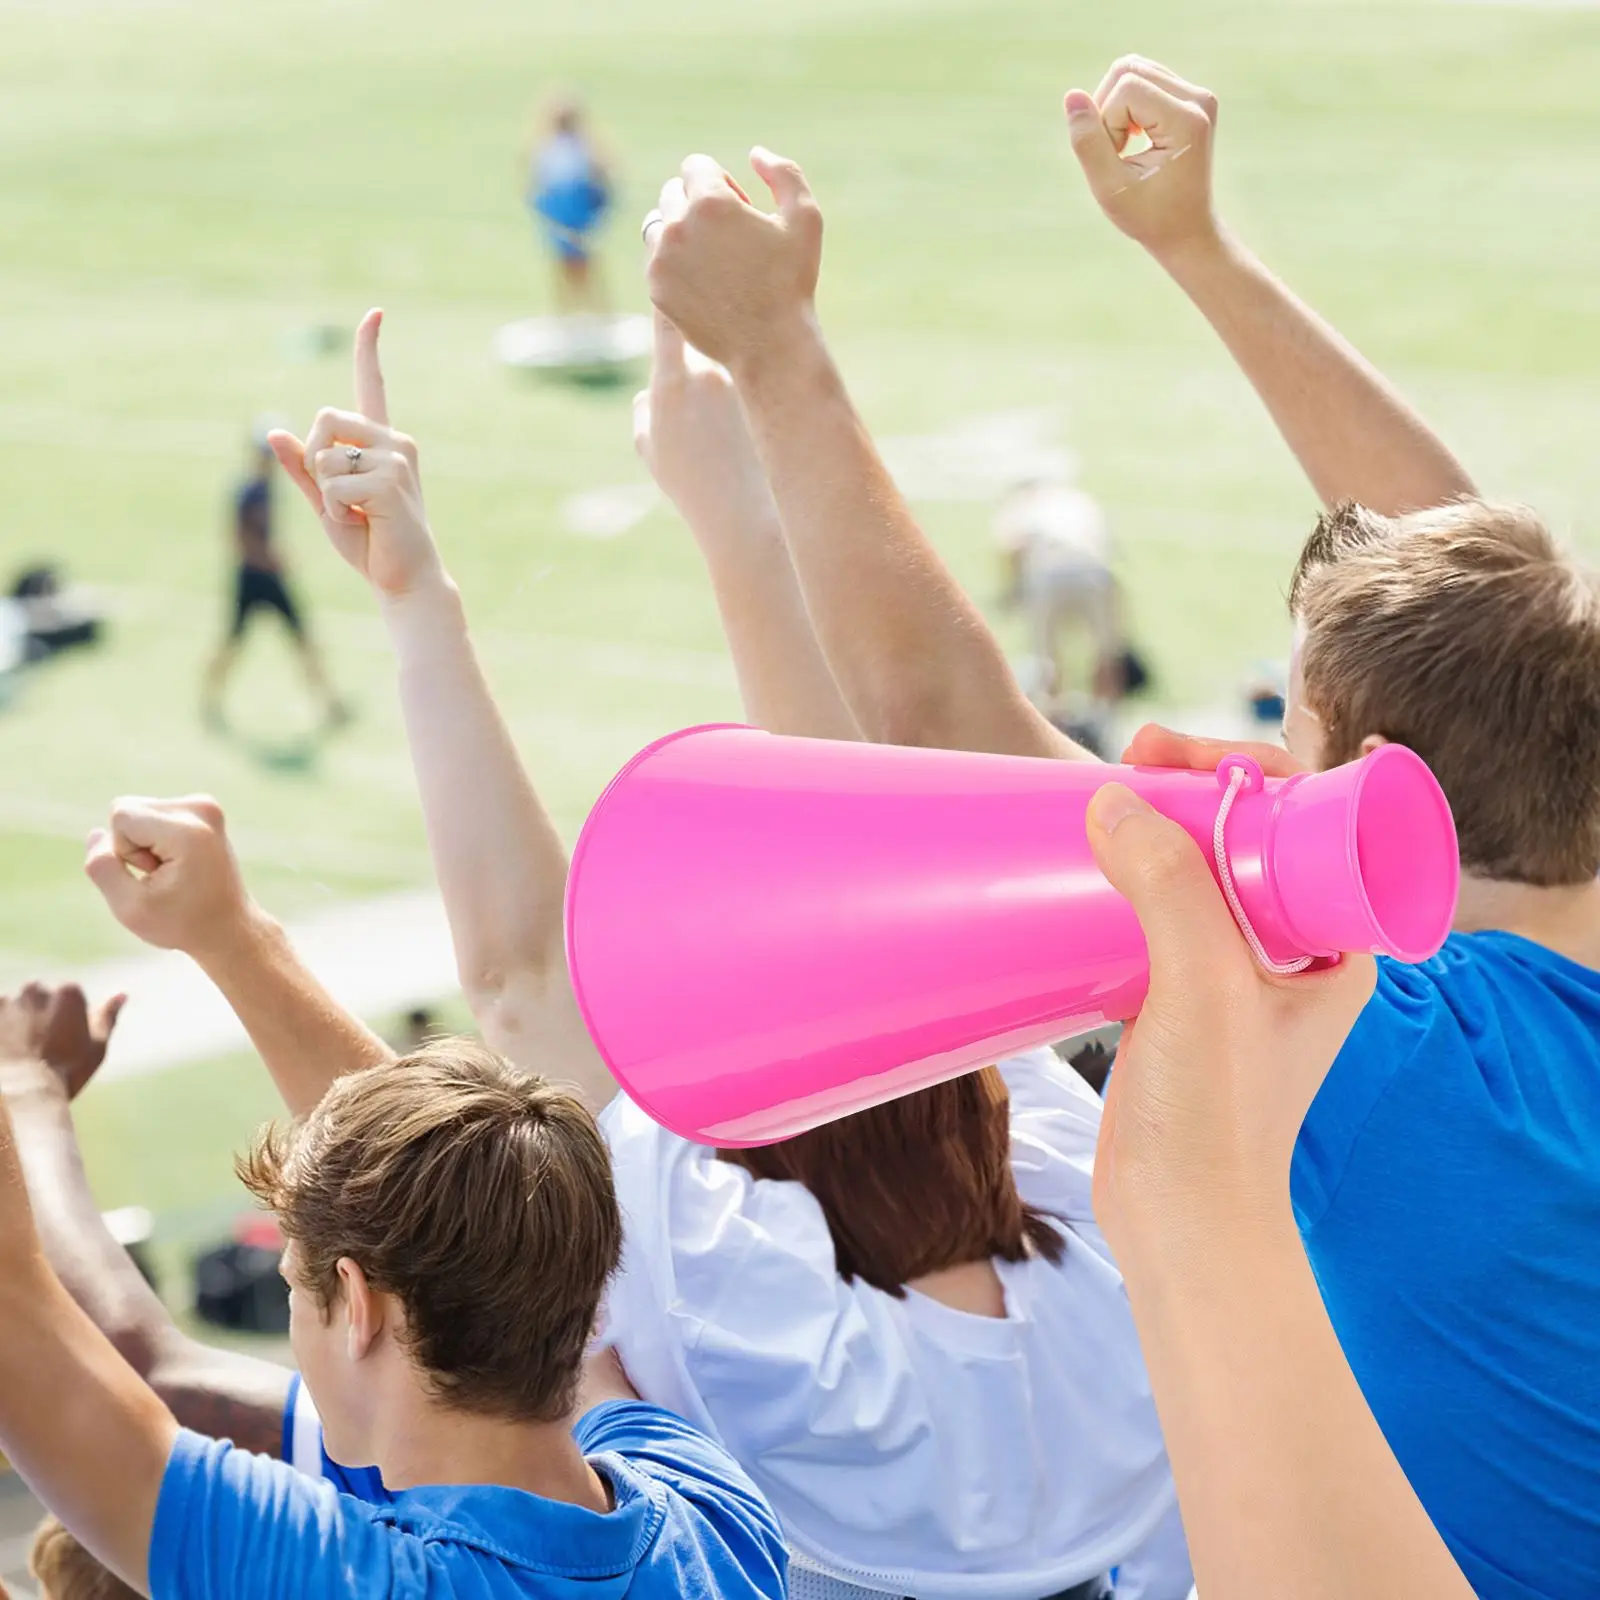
{"x": 264, "y": 591}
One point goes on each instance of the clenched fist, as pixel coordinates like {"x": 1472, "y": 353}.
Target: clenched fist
{"x": 739, "y": 283}
{"x": 1160, "y": 196}
{"x": 169, "y": 875}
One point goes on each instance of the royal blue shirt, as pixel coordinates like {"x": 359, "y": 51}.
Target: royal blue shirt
{"x": 687, "y": 1521}
{"x": 1447, "y": 1184}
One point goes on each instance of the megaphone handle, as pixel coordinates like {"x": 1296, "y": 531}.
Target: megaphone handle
{"x": 1243, "y": 774}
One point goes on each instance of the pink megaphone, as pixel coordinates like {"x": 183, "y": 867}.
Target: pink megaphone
{"x": 767, "y": 933}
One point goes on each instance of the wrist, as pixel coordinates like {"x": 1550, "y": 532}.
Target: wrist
{"x": 791, "y": 347}
{"x": 28, "y": 1083}
{"x": 236, "y": 946}
{"x": 421, "y": 611}
{"x": 1183, "y": 1246}
{"x": 1195, "y": 253}
{"x": 735, "y": 531}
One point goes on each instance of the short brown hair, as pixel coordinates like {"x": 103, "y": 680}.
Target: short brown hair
{"x": 917, "y": 1184}
{"x": 66, "y": 1571}
{"x": 1465, "y": 633}
{"x": 481, "y": 1198}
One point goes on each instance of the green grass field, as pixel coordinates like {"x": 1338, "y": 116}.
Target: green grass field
{"x": 183, "y": 186}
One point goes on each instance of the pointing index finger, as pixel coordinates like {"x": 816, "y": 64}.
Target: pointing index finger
{"x": 371, "y": 400}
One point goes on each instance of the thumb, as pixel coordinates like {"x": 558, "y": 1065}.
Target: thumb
{"x": 790, "y": 191}
{"x": 1159, "y": 870}
{"x": 111, "y": 876}
{"x": 106, "y": 1016}
{"x": 1092, "y": 145}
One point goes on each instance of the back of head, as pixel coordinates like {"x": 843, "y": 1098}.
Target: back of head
{"x": 480, "y": 1198}
{"x": 1464, "y": 633}
{"x": 64, "y": 1570}
{"x": 916, "y": 1185}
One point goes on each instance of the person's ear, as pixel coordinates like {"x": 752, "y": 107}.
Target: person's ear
{"x": 1372, "y": 742}
{"x": 363, "y": 1309}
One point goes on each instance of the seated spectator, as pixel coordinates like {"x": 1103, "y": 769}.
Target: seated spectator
{"x": 1461, "y": 632}
{"x": 916, "y": 1462}
{"x": 451, "y": 1225}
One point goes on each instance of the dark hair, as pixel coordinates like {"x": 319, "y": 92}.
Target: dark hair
{"x": 917, "y": 1184}
{"x": 481, "y": 1199}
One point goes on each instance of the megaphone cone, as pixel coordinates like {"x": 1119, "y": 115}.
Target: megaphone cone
{"x": 767, "y": 933}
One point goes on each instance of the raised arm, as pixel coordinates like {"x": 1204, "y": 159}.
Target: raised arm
{"x": 168, "y": 873}
{"x": 50, "y": 1047}
{"x": 1354, "y": 435}
{"x": 1286, "y": 1484}
{"x": 501, "y": 865}
{"x": 691, "y": 433}
{"x": 911, "y": 654}
{"x": 87, "y": 1435}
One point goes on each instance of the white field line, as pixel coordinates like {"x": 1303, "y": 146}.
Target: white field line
{"x": 374, "y": 956}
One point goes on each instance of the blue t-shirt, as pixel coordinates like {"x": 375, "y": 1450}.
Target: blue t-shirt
{"x": 687, "y": 1521}
{"x": 568, "y": 188}
{"x": 1447, "y": 1183}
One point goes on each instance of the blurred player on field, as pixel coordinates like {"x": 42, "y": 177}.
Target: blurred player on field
{"x": 260, "y": 584}
{"x": 1056, "y": 549}
{"x": 569, "y": 193}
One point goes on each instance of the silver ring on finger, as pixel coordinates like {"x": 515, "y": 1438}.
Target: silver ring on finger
{"x": 652, "y": 219}
{"x": 352, "y": 454}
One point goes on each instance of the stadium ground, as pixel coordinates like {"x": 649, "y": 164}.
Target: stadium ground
{"x": 186, "y": 188}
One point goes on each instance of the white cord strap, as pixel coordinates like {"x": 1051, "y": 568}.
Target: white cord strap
{"x": 1237, "y": 779}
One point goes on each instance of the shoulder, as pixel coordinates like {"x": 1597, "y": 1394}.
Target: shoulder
{"x": 709, "y": 1247}
{"x": 1411, "y": 1014}
{"x": 1055, "y": 1126}
{"x": 232, "y": 1523}
{"x": 704, "y": 1481}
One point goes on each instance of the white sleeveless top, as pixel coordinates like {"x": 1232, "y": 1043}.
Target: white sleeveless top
{"x": 905, "y": 1446}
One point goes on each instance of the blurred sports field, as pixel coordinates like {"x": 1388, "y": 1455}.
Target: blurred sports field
{"x": 186, "y": 188}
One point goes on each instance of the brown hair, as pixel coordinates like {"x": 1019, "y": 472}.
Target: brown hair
{"x": 481, "y": 1199}
{"x": 66, "y": 1571}
{"x": 1464, "y": 633}
{"x": 915, "y": 1185}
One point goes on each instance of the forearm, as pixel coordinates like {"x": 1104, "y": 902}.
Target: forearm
{"x": 911, "y": 654}
{"x": 303, "y": 1035}
{"x": 1348, "y": 427}
{"x": 784, "y": 678}
{"x": 93, "y": 1268}
{"x": 222, "y": 1393}
{"x": 87, "y": 1437}
{"x": 1287, "y": 1485}
{"x": 500, "y": 864}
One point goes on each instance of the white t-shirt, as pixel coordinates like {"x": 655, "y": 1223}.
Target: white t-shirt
{"x": 905, "y": 1445}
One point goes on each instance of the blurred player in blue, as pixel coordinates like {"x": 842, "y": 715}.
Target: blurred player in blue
{"x": 569, "y": 192}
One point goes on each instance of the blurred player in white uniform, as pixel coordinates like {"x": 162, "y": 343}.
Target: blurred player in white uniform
{"x": 1057, "y": 551}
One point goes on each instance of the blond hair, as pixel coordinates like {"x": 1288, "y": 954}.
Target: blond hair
{"x": 1465, "y": 633}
